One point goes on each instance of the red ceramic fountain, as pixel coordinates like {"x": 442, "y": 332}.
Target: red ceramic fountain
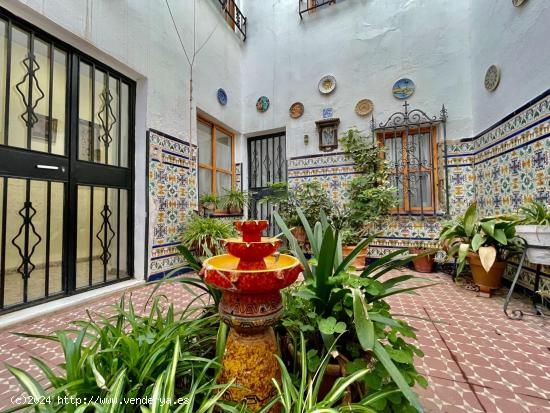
{"x": 251, "y": 277}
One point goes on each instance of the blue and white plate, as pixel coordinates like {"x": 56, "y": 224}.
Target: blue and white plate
{"x": 222, "y": 97}
{"x": 403, "y": 88}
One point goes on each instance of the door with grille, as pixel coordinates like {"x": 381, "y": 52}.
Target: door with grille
{"x": 266, "y": 165}
{"x": 65, "y": 168}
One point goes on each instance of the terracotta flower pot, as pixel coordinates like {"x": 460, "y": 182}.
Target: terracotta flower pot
{"x": 424, "y": 263}
{"x": 359, "y": 260}
{"x": 486, "y": 281}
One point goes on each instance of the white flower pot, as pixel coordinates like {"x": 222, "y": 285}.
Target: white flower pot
{"x": 536, "y": 235}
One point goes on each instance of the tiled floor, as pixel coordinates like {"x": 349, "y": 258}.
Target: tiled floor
{"x": 476, "y": 359}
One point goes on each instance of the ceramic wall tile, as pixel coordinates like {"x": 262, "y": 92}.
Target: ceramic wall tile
{"x": 172, "y": 193}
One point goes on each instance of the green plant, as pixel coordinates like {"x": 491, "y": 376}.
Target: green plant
{"x": 301, "y": 393}
{"x": 334, "y": 300}
{"x": 233, "y": 200}
{"x": 204, "y": 233}
{"x": 370, "y": 194}
{"x": 206, "y": 199}
{"x": 493, "y": 238}
{"x": 534, "y": 213}
{"x": 310, "y": 197}
{"x": 127, "y": 356}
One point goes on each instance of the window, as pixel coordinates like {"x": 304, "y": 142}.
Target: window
{"x": 216, "y": 158}
{"x": 412, "y": 167}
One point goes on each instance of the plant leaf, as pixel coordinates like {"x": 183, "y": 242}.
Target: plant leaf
{"x": 364, "y": 327}
{"x": 487, "y": 256}
{"x": 396, "y": 375}
{"x": 477, "y": 241}
{"x": 469, "y": 219}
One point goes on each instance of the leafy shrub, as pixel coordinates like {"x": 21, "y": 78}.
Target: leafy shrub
{"x": 129, "y": 356}
{"x": 333, "y": 301}
{"x": 203, "y": 233}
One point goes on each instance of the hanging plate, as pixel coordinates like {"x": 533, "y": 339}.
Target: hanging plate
{"x": 222, "y": 97}
{"x": 492, "y": 78}
{"x": 262, "y": 104}
{"x": 403, "y": 88}
{"x": 296, "y": 110}
{"x": 364, "y": 107}
{"x": 518, "y": 3}
{"x": 327, "y": 84}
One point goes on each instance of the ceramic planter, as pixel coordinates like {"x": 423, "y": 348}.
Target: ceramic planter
{"x": 536, "y": 235}
{"x": 424, "y": 263}
{"x": 359, "y": 260}
{"x": 486, "y": 281}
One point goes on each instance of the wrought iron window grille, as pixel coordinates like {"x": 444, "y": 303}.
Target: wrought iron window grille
{"x": 409, "y": 157}
{"x": 234, "y": 14}
{"x": 312, "y": 5}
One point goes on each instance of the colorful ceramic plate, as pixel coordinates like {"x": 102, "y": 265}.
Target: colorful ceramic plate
{"x": 492, "y": 78}
{"x": 222, "y": 97}
{"x": 403, "y": 88}
{"x": 364, "y": 107}
{"x": 262, "y": 104}
{"x": 296, "y": 110}
{"x": 327, "y": 84}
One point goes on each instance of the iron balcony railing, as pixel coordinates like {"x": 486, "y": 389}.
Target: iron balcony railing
{"x": 306, "y": 6}
{"x": 234, "y": 16}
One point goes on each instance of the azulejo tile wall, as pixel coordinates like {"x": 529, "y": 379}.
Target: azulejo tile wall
{"x": 172, "y": 194}
{"x": 501, "y": 169}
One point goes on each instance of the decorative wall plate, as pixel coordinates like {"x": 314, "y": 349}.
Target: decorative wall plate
{"x": 518, "y": 3}
{"x": 222, "y": 97}
{"x": 492, "y": 78}
{"x": 296, "y": 110}
{"x": 364, "y": 107}
{"x": 262, "y": 104}
{"x": 327, "y": 84}
{"x": 403, "y": 88}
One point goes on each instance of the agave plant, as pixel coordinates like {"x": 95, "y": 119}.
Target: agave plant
{"x": 334, "y": 300}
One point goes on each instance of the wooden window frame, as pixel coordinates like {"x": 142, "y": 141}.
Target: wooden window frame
{"x": 213, "y": 167}
{"x": 404, "y": 134}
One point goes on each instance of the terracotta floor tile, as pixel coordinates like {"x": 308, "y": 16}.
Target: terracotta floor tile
{"x": 477, "y": 360}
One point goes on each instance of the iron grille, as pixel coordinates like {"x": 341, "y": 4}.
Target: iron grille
{"x": 411, "y": 142}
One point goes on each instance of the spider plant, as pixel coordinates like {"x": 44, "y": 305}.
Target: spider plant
{"x": 124, "y": 355}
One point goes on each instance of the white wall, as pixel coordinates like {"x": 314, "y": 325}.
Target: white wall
{"x": 367, "y": 45}
{"x": 517, "y": 40}
{"x": 137, "y": 38}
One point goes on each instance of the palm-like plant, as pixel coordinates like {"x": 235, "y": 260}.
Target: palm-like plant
{"x": 353, "y": 304}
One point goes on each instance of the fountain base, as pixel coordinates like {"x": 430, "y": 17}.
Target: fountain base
{"x": 250, "y": 360}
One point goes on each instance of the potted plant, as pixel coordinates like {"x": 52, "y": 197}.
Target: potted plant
{"x": 534, "y": 228}
{"x": 209, "y": 202}
{"x": 233, "y": 201}
{"x": 335, "y": 302}
{"x": 310, "y": 197}
{"x": 485, "y": 244}
{"x": 202, "y": 234}
{"x": 370, "y": 194}
{"x": 424, "y": 257}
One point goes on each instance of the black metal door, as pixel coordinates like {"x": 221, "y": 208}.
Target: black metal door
{"x": 266, "y": 165}
{"x": 66, "y": 182}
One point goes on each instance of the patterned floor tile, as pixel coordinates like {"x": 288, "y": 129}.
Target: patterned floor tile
{"x": 476, "y": 359}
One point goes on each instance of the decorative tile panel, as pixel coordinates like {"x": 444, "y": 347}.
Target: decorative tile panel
{"x": 172, "y": 194}
{"x": 501, "y": 169}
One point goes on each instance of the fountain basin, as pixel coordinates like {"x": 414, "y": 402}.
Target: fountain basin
{"x": 221, "y": 271}
{"x": 252, "y": 251}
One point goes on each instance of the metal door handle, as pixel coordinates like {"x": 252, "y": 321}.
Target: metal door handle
{"x": 52, "y": 167}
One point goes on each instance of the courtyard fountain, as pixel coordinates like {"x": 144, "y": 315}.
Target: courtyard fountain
{"x": 251, "y": 276}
